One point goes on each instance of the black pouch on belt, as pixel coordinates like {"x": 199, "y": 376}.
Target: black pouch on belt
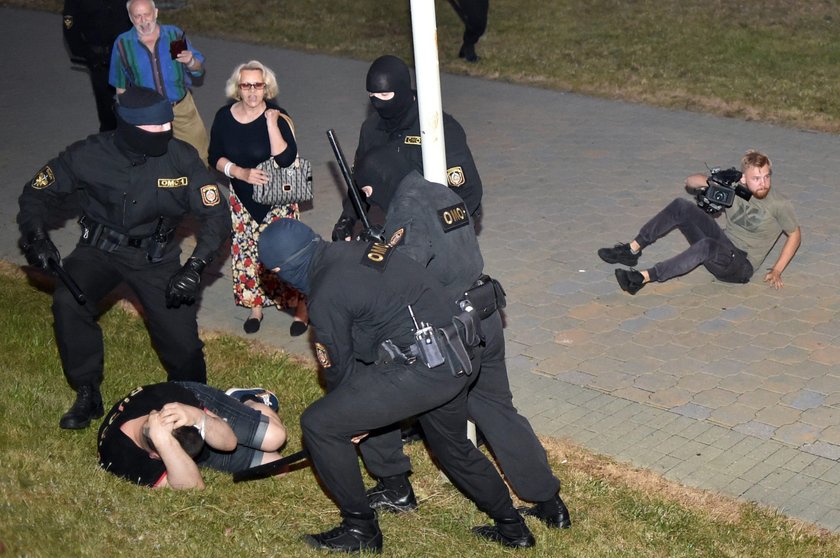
{"x": 486, "y": 296}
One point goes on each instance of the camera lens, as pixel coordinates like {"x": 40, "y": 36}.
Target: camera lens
{"x": 719, "y": 196}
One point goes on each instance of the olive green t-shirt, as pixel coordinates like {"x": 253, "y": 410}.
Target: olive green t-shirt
{"x": 754, "y": 226}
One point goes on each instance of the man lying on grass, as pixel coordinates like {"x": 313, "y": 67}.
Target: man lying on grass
{"x": 158, "y": 435}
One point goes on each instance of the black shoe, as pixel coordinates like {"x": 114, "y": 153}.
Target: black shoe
{"x": 630, "y": 280}
{"x": 88, "y": 406}
{"x": 467, "y": 52}
{"x": 252, "y": 325}
{"x": 620, "y": 254}
{"x": 509, "y": 532}
{"x": 551, "y": 512}
{"x": 388, "y": 499}
{"x": 298, "y": 328}
{"x": 353, "y": 535}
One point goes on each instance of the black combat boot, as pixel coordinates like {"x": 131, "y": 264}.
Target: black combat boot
{"x": 508, "y": 531}
{"x": 393, "y": 494}
{"x": 551, "y": 512}
{"x": 358, "y": 532}
{"x": 88, "y": 406}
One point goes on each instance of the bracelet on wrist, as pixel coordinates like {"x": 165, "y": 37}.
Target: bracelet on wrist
{"x": 227, "y": 172}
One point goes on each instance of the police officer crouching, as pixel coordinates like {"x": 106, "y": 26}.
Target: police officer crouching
{"x": 384, "y": 342}
{"x": 133, "y": 186}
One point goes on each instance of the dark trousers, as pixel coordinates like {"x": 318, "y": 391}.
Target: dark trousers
{"x": 474, "y": 15}
{"x": 709, "y": 245}
{"x": 379, "y": 395}
{"x": 174, "y": 332}
{"x": 103, "y": 94}
{"x": 490, "y": 404}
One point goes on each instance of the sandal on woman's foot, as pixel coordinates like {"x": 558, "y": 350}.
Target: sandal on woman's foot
{"x": 298, "y": 328}
{"x": 252, "y": 325}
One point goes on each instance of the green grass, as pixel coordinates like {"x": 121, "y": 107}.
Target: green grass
{"x": 770, "y": 60}
{"x": 55, "y": 501}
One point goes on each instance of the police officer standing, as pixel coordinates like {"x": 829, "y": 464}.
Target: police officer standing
{"x": 397, "y": 121}
{"x": 363, "y": 301}
{"x": 90, "y": 28}
{"x": 430, "y": 224}
{"x": 133, "y": 186}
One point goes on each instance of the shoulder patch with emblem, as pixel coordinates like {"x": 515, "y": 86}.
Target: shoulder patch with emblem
{"x": 453, "y": 217}
{"x": 43, "y": 178}
{"x": 412, "y": 140}
{"x": 322, "y": 355}
{"x": 68, "y": 22}
{"x": 455, "y": 177}
{"x": 397, "y": 237}
{"x": 210, "y": 195}
{"x": 377, "y": 255}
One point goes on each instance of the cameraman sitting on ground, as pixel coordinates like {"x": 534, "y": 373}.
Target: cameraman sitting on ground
{"x": 731, "y": 254}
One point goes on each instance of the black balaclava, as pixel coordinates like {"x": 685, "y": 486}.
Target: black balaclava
{"x": 389, "y": 73}
{"x": 289, "y": 245}
{"x": 138, "y": 106}
{"x": 382, "y": 168}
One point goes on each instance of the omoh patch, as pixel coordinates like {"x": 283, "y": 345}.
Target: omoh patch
{"x": 210, "y": 195}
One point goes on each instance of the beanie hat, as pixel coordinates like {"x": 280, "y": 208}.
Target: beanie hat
{"x": 140, "y": 105}
{"x": 289, "y": 245}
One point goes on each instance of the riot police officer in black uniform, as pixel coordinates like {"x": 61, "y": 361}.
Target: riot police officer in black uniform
{"x": 363, "y": 301}
{"x": 430, "y": 224}
{"x": 90, "y": 29}
{"x": 397, "y": 121}
{"x": 133, "y": 186}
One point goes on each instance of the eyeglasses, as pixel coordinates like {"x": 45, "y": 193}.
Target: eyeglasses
{"x": 259, "y": 86}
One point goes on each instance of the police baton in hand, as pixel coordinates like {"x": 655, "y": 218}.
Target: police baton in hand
{"x": 368, "y": 232}
{"x": 68, "y": 281}
{"x": 269, "y": 469}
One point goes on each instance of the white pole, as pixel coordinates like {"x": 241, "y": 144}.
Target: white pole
{"x": 427, "y": 72}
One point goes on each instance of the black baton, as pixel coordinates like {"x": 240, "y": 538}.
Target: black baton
{"x": 269, "y": 469}
{"x": 67, "y": 280}
{"x": 352, "y": 191}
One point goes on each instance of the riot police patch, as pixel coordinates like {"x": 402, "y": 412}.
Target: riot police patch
{"x": 68, "y": 22}
{"x": 322, "y": 355}
{"x": 377, "y": 256}
{"x": 412, "y": 140}
{"x": 210, "y": 195}
{"x": 397, "y": 237}
{"x": 455, "y": 177}
{"x": 43, "y": 178}
{"x": 173, "y": 182}
{"x": 453, "y": 217}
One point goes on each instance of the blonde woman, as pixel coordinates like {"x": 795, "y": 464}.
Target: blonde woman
{"x": 244, "y": 134}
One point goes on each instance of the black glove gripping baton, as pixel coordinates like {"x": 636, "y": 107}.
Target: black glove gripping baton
{"x": 269, "y": 469}
{"x": 67, "y": 280}
{"x": 352, "y": 191}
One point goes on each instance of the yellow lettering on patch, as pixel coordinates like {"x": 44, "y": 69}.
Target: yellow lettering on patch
{"x": 412, "y": 140}
{"x": 173, "y": 182}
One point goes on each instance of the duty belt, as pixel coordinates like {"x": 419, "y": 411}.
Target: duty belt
{"x": 107, "y": 239}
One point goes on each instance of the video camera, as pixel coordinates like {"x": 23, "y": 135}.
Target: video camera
{"x": 721, "y": 188}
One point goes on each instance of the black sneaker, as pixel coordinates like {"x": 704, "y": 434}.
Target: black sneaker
{"x": 353, "y": 535}
{"x": 551, "y": 512}
{"x": 387, "y": 499}
{"x": 467, "y": 52}
{"x": 88, "y": 406}
{"x": 630, "y": 280}
{"x": 509, "y": 532}
{"x": 620, "y": 254}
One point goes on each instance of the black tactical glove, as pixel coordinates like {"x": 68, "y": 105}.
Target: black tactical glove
{"x": 375, "y": 233}
{"x": 39, "y": 249}
{"x": 343, "y": 228}
{"x": 183, "y": 286}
